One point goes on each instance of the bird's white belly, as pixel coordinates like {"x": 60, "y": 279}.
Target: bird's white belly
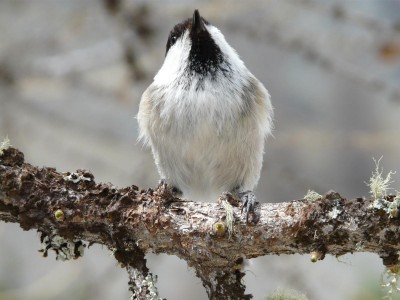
{"x": 202, "y": 165}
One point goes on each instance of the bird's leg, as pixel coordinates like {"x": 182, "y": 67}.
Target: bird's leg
{"x": 248, "y": 200}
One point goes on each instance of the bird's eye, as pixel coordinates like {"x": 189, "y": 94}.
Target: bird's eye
{"x": 175, "y": 34}
{"x": 171, "y": 40}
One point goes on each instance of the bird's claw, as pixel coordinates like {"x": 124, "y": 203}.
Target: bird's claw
{"x": 248, "y": 200}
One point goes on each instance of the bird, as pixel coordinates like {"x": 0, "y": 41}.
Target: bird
{"x": 206, "y": 117}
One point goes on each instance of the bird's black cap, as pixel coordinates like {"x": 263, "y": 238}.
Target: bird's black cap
{"x": 205, "y": 57}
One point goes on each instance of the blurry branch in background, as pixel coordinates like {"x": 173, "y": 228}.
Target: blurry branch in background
{"x": 376, "y": 41}
{"x": 80, "y": 60}
{"x": 384, "y": 42}
{"x": 132, "y": 36}
{"x": 361, "y": 48}
{"x": 379, "y": 39}
{"x": 338, "y": 11}
{"x": 71, "y": 210}
{"x": 137, "y": 28}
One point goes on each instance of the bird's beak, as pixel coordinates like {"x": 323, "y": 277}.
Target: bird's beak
{"x": 197, "y": 23}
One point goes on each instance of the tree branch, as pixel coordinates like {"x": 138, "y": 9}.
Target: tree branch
{"x": 132, "y": 222}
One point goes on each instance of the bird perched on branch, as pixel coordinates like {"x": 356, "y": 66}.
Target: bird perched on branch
{"x": 206, "y": 116}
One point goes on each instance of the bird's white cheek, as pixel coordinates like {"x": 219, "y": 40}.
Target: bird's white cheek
{"x": 174, "y": 63}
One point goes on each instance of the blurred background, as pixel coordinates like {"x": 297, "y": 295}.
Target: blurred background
{"x": 71, "y": 76}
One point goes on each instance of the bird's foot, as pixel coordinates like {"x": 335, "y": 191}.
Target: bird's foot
{"x": 248, "y": 200}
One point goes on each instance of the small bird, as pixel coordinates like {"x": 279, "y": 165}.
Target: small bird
{"x": 206, "y": 116}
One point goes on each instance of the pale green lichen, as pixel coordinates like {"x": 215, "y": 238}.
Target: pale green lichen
{"x": 4, "y": 145}
{"x": 286, "y": 294}
{"x": 312, "y": 196}
{"x": 393, "y": 208}
{"x": 229, "y": 217}
{"x": 334, "y": 213}
{"x": 378, "y": 184}
{"x": 76, "y": 177}
{"x": 148, "y": 283}
{"x": 63, "y": 248}
{"x": 390, "y": 281}
{"x": 359, "y": 246}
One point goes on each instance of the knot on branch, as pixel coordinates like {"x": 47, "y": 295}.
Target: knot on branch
{"x": 12, "y": 157}
{"x": 223, "y": 283}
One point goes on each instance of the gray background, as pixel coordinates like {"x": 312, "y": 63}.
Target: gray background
{"x": 68, "y": 99}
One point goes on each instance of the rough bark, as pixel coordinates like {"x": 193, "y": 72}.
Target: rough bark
{"x": 132, "y": 222}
